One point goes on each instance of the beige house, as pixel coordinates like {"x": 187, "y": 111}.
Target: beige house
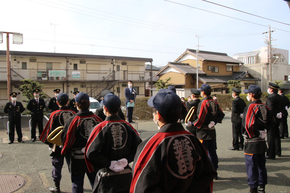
{"x": 71, "y": 72}
{"x": 214, "y": 68}
{"x": 256, "y": 63}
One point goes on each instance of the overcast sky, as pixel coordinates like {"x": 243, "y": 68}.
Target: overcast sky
{"x": 157, "y": 29}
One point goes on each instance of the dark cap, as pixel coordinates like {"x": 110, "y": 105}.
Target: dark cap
{"x": 104, "y": 92}
{"x": 82, "y": 96}
{"x": 76, "y": 92}
{"x": 253, "y": 89}
{"x": 205, "y": 87}
{"x": 62, "y": 97}
{"x": 13, "y": 94}
{"x": 172, "y": 88}
{"x": 195, "y": 91}
{"x": 111, "y": 101}
{"x": 273, "y": 85}
{"x": 36, "y": 90}
{"x": 236, "y": 90}
{"x": 56, "y": 90}
{"x": 165, "y": 101}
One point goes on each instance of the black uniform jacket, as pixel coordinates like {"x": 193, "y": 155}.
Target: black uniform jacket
{"x": 56, "y": 119}
{"x": 274, "y": 102}
{"x": 36, "y": 108}
{"x": 99, "y": 112}
{"x": 184, "y": 111}
{"x": 208, "y": 110}
{"x": 14, "y": 112}
{"x": 285, "y": 103}
{"x": 75, "y": 134}
{"x": 52, "y": 105}
{"x": 111, "y": 140}
{"x": 257, "y": 117}
{"x": 72, "y": 105}
{"x": 172, "y": 160}
{"x": 192, "y": 103}
{"x": 238, "y": 106}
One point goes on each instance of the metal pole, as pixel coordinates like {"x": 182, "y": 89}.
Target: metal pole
{"x": 8, "y": 67}
{"x": 151, "y": 81}
{"x": 270, "y": 54}
{"x": 262, "y": 72}
{"x": 197, "y": 62}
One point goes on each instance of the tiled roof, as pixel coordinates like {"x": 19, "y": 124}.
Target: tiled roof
{"x": 224, "y": 79}
{"x": 214, "y": 56}
{"x": 185, "y": 68}
{"x": 154, "y": 68}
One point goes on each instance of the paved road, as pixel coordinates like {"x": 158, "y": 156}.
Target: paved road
{"x": 32, "y": 161}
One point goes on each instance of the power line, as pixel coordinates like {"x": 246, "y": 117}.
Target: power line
{"x": 246, "y": 12}
{"x": 223, "y": 15}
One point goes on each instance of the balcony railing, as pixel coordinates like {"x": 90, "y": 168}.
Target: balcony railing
{"x": 72, "y": 75}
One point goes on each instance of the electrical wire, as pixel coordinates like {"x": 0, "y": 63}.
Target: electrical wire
{"x": 223, "y": 15}
{"x": 246, "y": 12}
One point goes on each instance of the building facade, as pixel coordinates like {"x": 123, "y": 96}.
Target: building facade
{"x": 71, "y": 72}
{"x": 257, "y": 63}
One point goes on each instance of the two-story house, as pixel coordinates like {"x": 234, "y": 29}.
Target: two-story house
{"x": 214, "y": 68}
{"x": 71, "y": 72}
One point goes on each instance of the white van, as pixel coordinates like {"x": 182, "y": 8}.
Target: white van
{"x": 94, "y": 104}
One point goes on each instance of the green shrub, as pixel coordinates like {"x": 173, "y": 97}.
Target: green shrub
{"x": 141, "y": 109}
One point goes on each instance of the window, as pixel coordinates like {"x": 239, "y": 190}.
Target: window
{"x": 48, "y": 66}
{"x": 76, "y": 89}
{"x": 75, "y": 66}
{"x": 137, "y": 90}
{"x": 213, "y": 68}
{"x": 124, "y": 85}
{"x": 229, "y": 68}
{"x": 24, "y": 65}
{"x": 118, "y": 89}
{"x": 82, "y": 61}
{"x": 118, "y": 67}
{"x": 124, "y": 63}
{"x": 32, "y": 60}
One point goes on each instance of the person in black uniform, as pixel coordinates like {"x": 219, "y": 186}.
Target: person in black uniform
{"x": 100, "y": 111}
{"x": 75, "y": 134}
{"x": 238, "y": 106}
{"x": 193, "y": 103}
{"x": 283, "y": 124}
{"x": 14, "y": 110}
{"x": 183, "y": 105}
{"x": 36, "y": 107}
{"x": 57, "y": 118}
{"x": 111, "y": 146}
{"x": 274, "y": 102}
{"x": 256, "y": 120}
{"x": 52, "y": 102}
{"x": 72, "y": 102}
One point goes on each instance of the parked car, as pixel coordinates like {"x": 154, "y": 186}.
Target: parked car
{"x": 94, "y": 104}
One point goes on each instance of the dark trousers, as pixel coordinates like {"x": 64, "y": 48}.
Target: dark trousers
{"x": 210, "y": 146}
{"x": 57, "y": 163}
{"x": 11, "y": 132}
{"x": 129, "y": 113}
{"x": 256, "y": 170}
{"x": 283, "y": 127}
{"x": 238, "y": 139}
{"x": 78, "y": 181}
{"x": 39, "y": 122}
{"x": 274, "y": 141}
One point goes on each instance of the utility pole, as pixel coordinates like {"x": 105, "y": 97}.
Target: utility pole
{"x": 197, "y": 51}
{"x": 17, "y": 39}
{"x": 269, "y": 61}
{"x": 54, "y": 33}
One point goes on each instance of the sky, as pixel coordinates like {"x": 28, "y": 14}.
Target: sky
{"x": 157, "y": 29}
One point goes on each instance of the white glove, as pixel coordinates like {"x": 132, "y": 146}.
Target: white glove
{"x": 263, "y": 134}
{"x": 242, "y": 115}
{"x": 188, "y": 124}
{"x": 286, "y": 107}
{"x": 123, "y": 162}
{"x": 113, "y": 163}
{"x": 279, "y": 115}
{"x": 211, "y": 124}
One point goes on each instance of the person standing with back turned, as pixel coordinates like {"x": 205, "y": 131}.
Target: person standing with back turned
{"x": 238, "y": 106}
{"x": 172, "y": 160}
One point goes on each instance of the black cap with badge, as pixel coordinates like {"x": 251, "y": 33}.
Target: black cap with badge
{"x": 236, "y": 90}
{"x": 36, "y": 90}
{"x": 56, "y": 90}
{"x": 273, "y": 85}
{"x": 13, "y": 94}
{"x": 195, "y": 91}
